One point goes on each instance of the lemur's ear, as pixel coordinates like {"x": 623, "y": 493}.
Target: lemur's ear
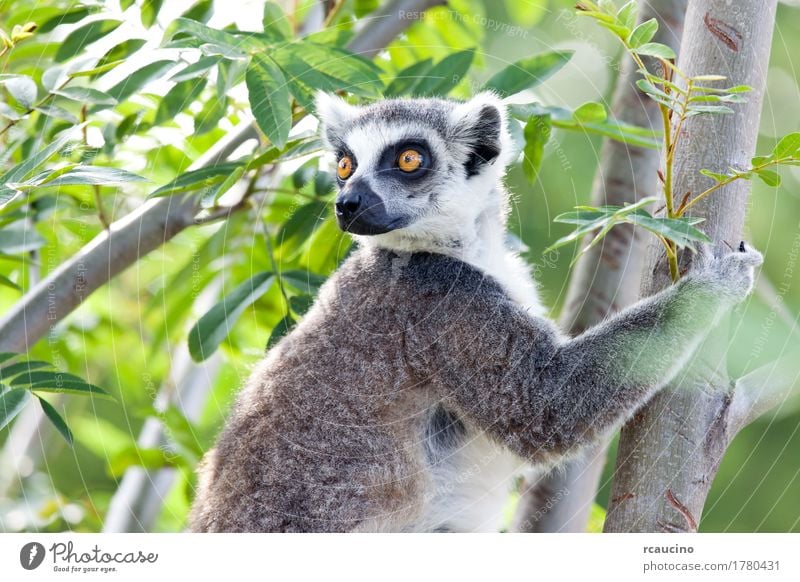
{"x": 333, "y": 113}
{"x": 480, "y": 125}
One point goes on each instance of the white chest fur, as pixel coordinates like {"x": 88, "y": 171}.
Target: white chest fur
{"x": 472, "y": 485}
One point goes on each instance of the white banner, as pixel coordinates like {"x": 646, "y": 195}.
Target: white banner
{"x": 389, "y": 557}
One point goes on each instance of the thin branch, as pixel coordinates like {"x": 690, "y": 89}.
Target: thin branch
{"x": 763, "y": 389}
{"x": 387, "y": 23}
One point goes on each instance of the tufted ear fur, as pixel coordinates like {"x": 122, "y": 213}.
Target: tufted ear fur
{"x": 480, "y": 125}
{"x": 334, "y": 113}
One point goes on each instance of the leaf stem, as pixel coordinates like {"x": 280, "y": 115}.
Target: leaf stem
{"x": 738, "y": 176}
{"x": 41, "y": 102}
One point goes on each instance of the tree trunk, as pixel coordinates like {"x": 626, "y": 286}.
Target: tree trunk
{"x": 606, "y": 279}
{"x": 670, "y": 451}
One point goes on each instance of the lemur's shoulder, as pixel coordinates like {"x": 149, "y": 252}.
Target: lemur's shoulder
{"x": 418, "y": 275}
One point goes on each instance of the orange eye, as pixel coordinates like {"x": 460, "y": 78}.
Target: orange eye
{"x": 345, "y": 168}
{"x": 410, "y": 160}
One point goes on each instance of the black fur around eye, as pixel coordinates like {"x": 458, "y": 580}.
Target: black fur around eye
{"x": 407, "y": 160}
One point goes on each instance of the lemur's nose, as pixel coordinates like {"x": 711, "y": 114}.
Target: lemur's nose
{"x": 347, "y": 206}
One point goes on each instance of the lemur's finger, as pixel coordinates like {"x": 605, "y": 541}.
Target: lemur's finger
{"x": 751, "y": 258}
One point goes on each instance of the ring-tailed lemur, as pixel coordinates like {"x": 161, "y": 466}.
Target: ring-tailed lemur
{"x": 424, "y": 378}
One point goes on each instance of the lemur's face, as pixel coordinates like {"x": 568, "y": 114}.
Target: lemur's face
{"x": 423, "y": 167}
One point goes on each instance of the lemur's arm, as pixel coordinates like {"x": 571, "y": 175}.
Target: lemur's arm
{"x": 510, "y": 373}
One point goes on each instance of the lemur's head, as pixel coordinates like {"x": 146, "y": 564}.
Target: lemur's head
{"x": 416, "y": 169}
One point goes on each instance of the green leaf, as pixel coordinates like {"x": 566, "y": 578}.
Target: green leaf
{"x": 222, "y": 50}
{"x": 22, "y": 170}
{"x": 6, "y": 282}
{"x": 212, "y": 196}
{"x": 623, "y": 32}
{"x": 627, "y": 14}
{"x": 20, "y": 240}
{"x": 302, "y": 223}
{"x": 739, "y": 89}
{"x": 708, "y": 78}
{"x": 590, "y": 112}
{"x": 714, "y": 175}
{"x": 194, "y": 179}
{"x": 328, "y": 69}
{"x": 94, "y": 71}
{"x": 653, "y": 91}
{"x": 583, "y": 217}
{"x": 277, "y": 26}
{"x": 300, "y": 304}
{"x": 214, "y": 326}
{"x": 86, "y": 95}
{"x": 78, "y": 387}
{"x": 643, "y": 33}
{"x": 8, "y": 195}
{"x": 280, "y": 330}
{"x": 528, "y": 72}
{"x": 304, "y": 281}
{"x": 789, "y": 145}
{"x": 56, "y": 381}
{"x": 195, "y": 69}
{"x": 23, "y": 90}
{"x": 655, "y": 49}
{"x": 147, "y": 458}
{"x": 708, "y": 109}
{"x": 120, "y": 52}
{"x": 52, "y": 376}
{"x": 5, "y": 356}
{"x": 20, "y": 367}
{"x": 204, "y": 33}
{"x": 84, "y": 36}
{"x": 57, "y": 421}
{"x": 94, "y": 176}
{"x": 769, "y": 177}
{"x": 150, "y": 9}
{"x": 408, "y": 78}
{"x": 537, "y": 134}
{"x": 445, "y": 75}
{"x": 579, "y": 233}
{"x": 209, "y": 117}
{"x": 11, "y": 404}
{"x": 678, "y": 230}
{"x": 526, "y": 13}
{"x": 67, "y": 17}
{"x": 139, "y": 79}
{"x": 269, "y": 99}
{"x": 590, "y": 219}
{"x": 709, "y": 98}
{"x": 622, "y": 132}
{"x": 57, "y": 113}
{"x": 178, "y": 98}
{"x": 201, "y": 12}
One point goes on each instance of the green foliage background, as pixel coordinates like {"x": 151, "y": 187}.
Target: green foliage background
{"x": 129, "y": 337}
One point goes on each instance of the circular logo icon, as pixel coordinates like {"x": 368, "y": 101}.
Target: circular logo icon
{"x": 31, "y": 555}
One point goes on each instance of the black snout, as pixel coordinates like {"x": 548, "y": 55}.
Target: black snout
{"x": 360, "y": 211}
{"x": 348, "y": 205}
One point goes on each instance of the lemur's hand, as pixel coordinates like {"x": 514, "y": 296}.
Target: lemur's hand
{"x": 731, "y": 275}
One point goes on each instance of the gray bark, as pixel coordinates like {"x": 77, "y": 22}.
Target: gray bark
{"x": 670, "y": 451}
{"x": 606, "y": 279}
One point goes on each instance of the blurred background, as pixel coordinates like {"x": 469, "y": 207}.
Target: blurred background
{"x": 130, "y": 336}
